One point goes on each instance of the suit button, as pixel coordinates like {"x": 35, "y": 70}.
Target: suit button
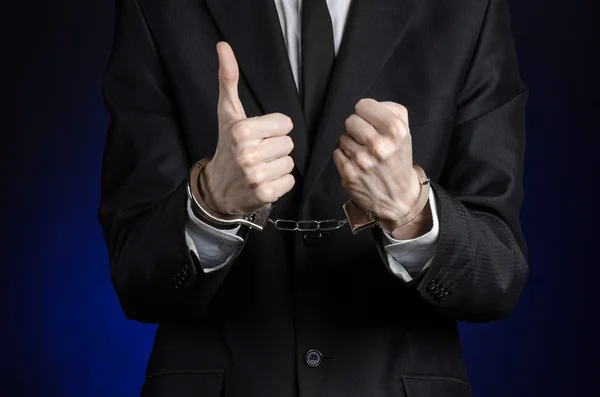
{"x": 310, "y": 238}
{"x": 433, "y": 284}
{"x": 313, "y": 358}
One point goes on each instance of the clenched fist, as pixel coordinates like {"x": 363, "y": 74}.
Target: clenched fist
{"x": 251, "y": 166}
{"x": 375, "y": 162}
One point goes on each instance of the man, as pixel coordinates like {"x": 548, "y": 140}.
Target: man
{"x": 388, "y": 135}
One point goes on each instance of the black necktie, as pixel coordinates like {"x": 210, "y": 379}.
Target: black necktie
{"x": 318, "y": 57}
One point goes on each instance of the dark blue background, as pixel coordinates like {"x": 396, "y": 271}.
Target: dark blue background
{"x": 61, "y": 329}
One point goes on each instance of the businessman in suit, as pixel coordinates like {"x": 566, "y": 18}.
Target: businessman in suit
{"x": 240, "y": 129}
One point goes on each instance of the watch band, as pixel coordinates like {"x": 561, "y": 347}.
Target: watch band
{"x": 359, "y": 219}
{"x": 256, "y": 220}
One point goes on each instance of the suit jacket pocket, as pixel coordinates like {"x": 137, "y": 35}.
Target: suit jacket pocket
{"x": 184, "y": 384}
{"x": 435, "y": 386}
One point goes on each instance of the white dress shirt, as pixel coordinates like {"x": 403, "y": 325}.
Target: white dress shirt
{"x": 406, "y": 258}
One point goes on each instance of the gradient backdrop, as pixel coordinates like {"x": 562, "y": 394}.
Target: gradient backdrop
{"x": 62, "y": 332}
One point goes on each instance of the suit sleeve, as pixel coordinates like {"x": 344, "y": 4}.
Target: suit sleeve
{"x": 142, "y": 208}
{"x": 214, "y": 248}
{"x": 407, "y": 259}
{"x": 480, "y": 264}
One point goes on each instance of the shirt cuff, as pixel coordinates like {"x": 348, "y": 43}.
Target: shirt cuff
{"x": 408, "y": 258}
{"x": 215, "y": 248}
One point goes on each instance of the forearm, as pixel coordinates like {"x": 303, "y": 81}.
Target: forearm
{"x": 480, "y": 265}
{"x": 479, "y": 268}
{"x": 408, "y": 258}
{"x": 144, "y": 177}
{"x": 152, "y": 269}
{"x": 413, "y": 229}
{"x": 214, "y": 248}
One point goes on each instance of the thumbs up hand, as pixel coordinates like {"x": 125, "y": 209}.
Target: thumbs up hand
{"x": 251, "y": 166}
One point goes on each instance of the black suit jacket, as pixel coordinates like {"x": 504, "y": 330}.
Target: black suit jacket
{"x": 244, "y": 330}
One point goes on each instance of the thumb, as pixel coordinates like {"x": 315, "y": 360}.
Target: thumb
{"x": 397, "y": 109}
{"x": 229, "y": 105}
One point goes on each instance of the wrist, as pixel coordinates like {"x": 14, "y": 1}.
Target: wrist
{"x": 204, "y": 191}
{"x": 420, "y": 223}
{"x": 212, "y": 202}
{"x": 256, "y": 220}
{"x": 417, "y": 227}
{"x": 198, "y": 188}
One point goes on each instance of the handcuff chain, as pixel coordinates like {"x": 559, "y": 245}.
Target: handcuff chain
{"x": 308, "y": 226}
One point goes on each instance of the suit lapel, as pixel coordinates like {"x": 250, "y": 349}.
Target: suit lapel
{"x": 373, "y": 30}
{"x": 253, "y": 30}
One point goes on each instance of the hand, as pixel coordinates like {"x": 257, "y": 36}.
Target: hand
{"x": 375, "y": 162}
{"x": 251, "y": 166}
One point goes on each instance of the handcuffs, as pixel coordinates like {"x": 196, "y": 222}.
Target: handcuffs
{"x": 357, "y": 218}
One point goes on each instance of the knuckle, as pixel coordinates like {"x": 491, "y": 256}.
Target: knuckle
{"x": 231, "y": 76}
{"x": 240, "y": 132}
{"x": 230, "y": 79}
{"x": 380, "y": 153}
{"x": 400, "y": 109}
{"x": 264, "y": 193}
{"x": 405, "y": 131}
{"x": 392, "y": 126}
{"x": 246, "y": 157}
{"x": 344, "y": 140}
{"x": 363, "y": 161}
{"x": 254, "y": 177}
{"x": 397, "y": 108}
{"x": 396, "y": 128}
{"x": 373, "y": 142}
{"x": 360, "y": 104}
{"x": 365, "y": 101}
{"x": 347, "y": 171}
{"x": 377, "y": 147}
{"x": 404, "y": 111}
{"x": 348, "y": 122}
